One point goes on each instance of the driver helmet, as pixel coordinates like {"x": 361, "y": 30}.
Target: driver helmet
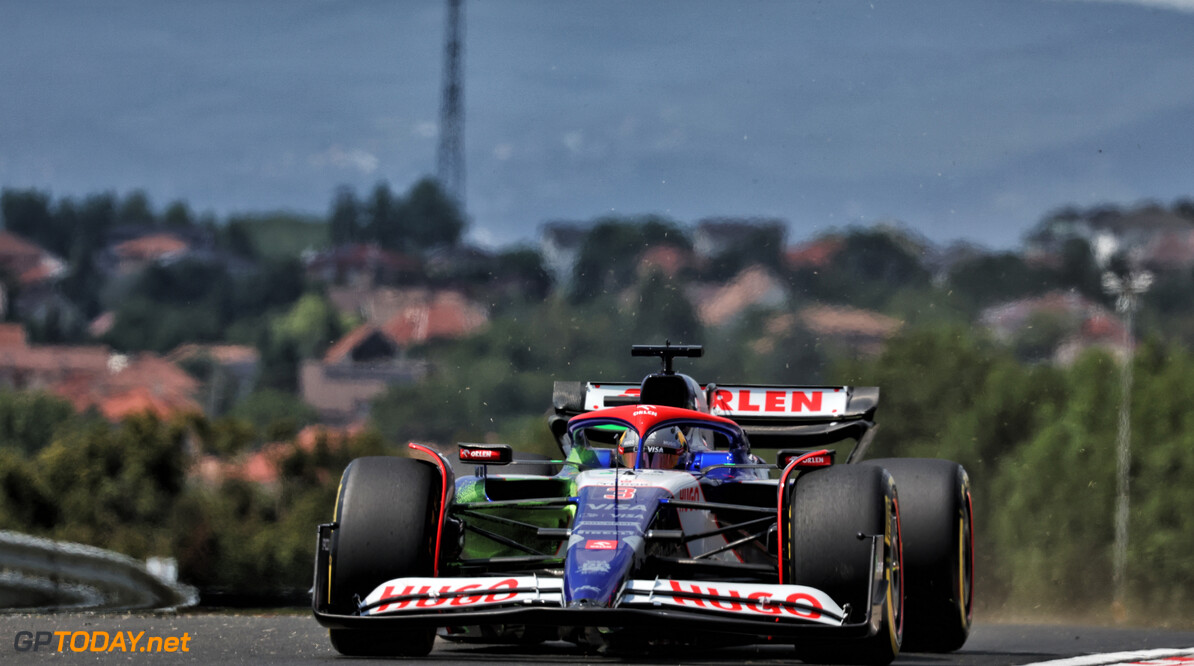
{"x": 662, "y": 449}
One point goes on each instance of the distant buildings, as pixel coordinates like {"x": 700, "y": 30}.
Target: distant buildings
{"x": 134, "y": 255}
{"x": 230, "y": 376}
{"x": 724, "y": 267}
{"x": 1161, "y": 239}
{"x": 362, "y": 265}
{"x": 94, "y": 377}
{"x": 369, "y": 359}
{"x": 35, "y": 274}
{"x": 1057, "y": 326}
{"x": 754, "y": 287}
{"x": 864, "y": 331}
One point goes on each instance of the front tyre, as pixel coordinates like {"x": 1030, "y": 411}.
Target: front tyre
{"x": 938, "y": 550}
{"x": 830, "y": 508}
{"x": 386, "y": 510}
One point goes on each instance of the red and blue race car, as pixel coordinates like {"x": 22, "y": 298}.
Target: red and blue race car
{"x": 657, "y": 525}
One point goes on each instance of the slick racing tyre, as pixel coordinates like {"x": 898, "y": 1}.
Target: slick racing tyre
{"x": 830, "y": 509}
{"x": 938, "y": 551}
{"x": 386, "y": 512}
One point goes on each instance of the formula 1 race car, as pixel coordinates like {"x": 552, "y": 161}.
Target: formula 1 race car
{"x": 658, "y": 526}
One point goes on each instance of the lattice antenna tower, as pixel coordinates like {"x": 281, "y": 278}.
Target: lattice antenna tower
{"x": 450, "y": 159}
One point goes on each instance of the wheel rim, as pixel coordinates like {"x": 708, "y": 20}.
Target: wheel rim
{"x": 965, "y": 560}
{"x": 896, "y": 585}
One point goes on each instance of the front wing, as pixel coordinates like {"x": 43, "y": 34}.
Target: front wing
{"x": 723, "y": 607}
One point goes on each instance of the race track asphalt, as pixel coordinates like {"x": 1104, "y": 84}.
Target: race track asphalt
{"x": 288, "y": 638}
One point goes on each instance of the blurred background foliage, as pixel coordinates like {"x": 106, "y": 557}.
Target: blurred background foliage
{"x": 1038, "y": 442}
{"x": 1037, "y": 437}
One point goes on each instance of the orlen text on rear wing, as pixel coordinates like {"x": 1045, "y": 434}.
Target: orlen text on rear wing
{"x": 784, "y": 404}
{"x": 755, "y": 402}
{"x": 771, "y": 416}
{"x": 777, "y": 417}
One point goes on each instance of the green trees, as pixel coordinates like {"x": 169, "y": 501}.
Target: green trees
{"x": 608, "y": 259}
{"x": 344, "y": 222}
{"x": 663, "y": 312}
{"x": 1162, "y": 525}
{"x": 193, "y": 301}
{"x": 1056, "y": 493}
{"x": 1037, "y": 439}
{"x": 870, "y": 267}
{"x": 279, "y": 415}
{"x": 29, "y": 419}
{"x": 242, "y": 538}
{"x": 27, "y": 214}
{"x": 425, "y": 218}
{"x": 116, "y": 486}
{"x": 128, "y": 487}
{"x": 990, "y": 279}
{"x": 761, "y": 243}
{"x": 1039, "y": 443}
{"x": 311, "y": 324}
{"x": 430, "y": 218}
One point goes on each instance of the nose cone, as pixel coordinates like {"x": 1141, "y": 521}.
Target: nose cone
{"x": 607, "y": 543}
{"x": 594, "y": 574}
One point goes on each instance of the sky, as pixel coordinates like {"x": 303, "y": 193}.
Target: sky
{"x": 960, "y": 120}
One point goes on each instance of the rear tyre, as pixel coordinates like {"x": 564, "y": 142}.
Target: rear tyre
{"x": 386, "y": 510}
{"x": 938, "y": 551}
{"x": 829, "y": 509}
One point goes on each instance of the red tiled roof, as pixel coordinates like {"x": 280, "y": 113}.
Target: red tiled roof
{"x": 222, "y": 354}
{"x": 668, "y": 259}
{"x": 344, "y": 346}
{"x": 28, "y": 262}
{"x": 117, "y": 386}
{"x": 1008, "y": 318}
{"x": 415, "y": 316}
{"x": 140, "y": 400}
{"x": 153, "y": 246}
{"x": 12, "y": 245}
{"x": 1172, "y": 249}
{"x": 753, "y": 286}
{"x": 814, "y": 254}
{"x": 256, "y": 467}
{"x": 451, "y": 315}
{"x": 1103, "y": 326}
{"x": 45, "y": 269}
{"x": 407, "y": 328}
{"x": 54, "y": 359}
{"x": 261, "y": 466}
{"x": 12, "y": 335}
{"x": 156, "y": 372}
{"x": 846, "y": 321}
{"x": 100, "y": 326}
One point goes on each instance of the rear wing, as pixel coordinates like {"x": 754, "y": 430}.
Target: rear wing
{"x": 771, "y": 416}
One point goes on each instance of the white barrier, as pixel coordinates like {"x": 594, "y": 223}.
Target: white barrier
{"x": 41, "y": 574}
